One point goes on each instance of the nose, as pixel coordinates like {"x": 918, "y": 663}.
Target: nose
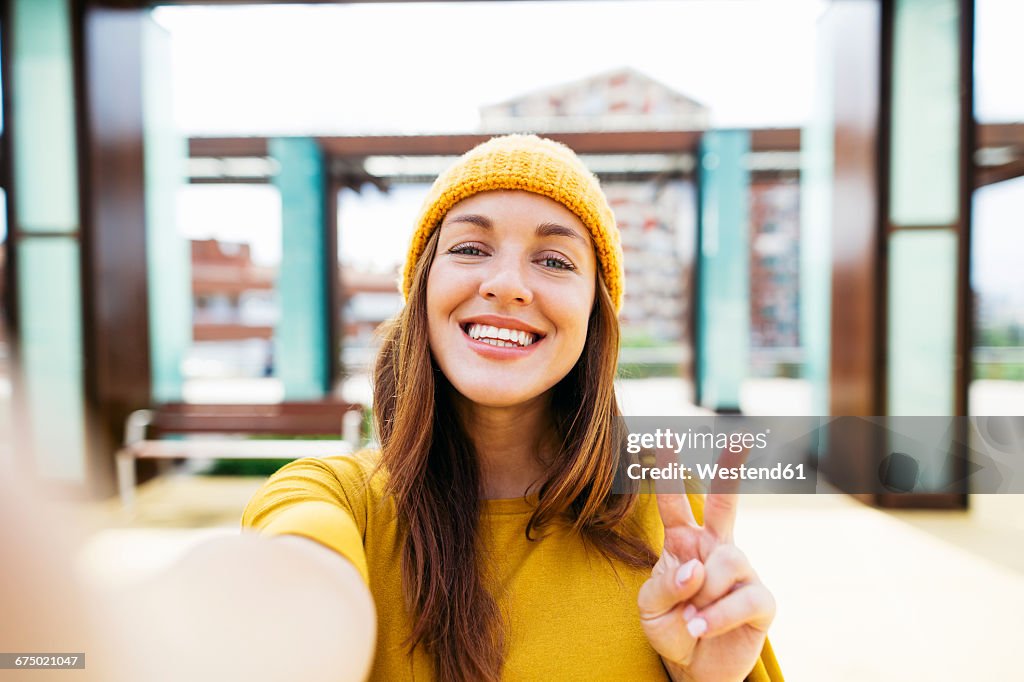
{"x": 505, "y": 283}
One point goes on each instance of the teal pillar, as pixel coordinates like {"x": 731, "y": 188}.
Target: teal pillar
{"x": 45, "y": 236}
{"x": 723, "y": 289}
{"x": 168, "y": 256}
{"x": 301, "y": 339}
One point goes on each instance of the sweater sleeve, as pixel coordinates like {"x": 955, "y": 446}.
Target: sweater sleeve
{"x": 323, "y": 500}
{"x": 767, "y": 668}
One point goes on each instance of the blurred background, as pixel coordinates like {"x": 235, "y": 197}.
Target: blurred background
{"x": 206, "y": 205}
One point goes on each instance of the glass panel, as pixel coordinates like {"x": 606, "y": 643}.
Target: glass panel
{"x": 49, "y": 306}
{"x": 167, "y": 252}
{"x": 45, "y": 184}
{"x": 922, "y": 315}
{"x": 45, "y": 159}
{"x": 816, "y": 178}
{"x": 925, "y": 113}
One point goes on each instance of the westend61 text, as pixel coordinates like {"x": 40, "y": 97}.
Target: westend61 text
{"x": 710, "y": 472}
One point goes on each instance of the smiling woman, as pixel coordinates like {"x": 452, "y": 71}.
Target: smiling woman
{"x": 486, "y": 530}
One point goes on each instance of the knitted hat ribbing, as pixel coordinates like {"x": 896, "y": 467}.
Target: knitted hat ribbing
{"x": 533, "y": 164}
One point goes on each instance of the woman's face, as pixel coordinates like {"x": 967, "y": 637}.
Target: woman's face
{"x": 509, "y": 295}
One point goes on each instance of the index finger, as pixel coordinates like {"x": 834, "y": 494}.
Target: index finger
{"x": 674, "y": 507}
{"x": 722, "y": 499}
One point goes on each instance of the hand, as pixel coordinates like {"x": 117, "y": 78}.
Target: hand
{"x": 704, "y": 610}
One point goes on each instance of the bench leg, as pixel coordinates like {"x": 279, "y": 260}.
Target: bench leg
{"x": 352, "y": 425}
{"x": 126, "y": 479}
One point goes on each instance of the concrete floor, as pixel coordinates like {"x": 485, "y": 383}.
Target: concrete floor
{"x": 909, "y": 595}
{"x": 863, "y": 595}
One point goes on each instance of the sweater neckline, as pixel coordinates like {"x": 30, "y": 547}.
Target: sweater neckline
{"x": 512, "y": 505}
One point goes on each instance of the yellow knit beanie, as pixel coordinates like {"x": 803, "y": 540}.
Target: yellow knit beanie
{"x": 533, "y": 164}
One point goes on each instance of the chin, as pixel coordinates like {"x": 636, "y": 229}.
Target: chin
{"x": 484, "y": 393}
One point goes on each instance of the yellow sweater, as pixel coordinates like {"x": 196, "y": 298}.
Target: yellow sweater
{"x": 570, "y": 615}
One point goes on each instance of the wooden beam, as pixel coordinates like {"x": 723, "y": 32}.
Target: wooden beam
{"x": 1000, "y": 135}
{"x": 628, "y": 142}
{"x": 623, "y": 142}
{"x": 632, "y": 142}
{"x": 994, "y": 174}
{"x": 227, "y": 146}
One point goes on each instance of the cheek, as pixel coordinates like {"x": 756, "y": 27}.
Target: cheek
{"x": 436, "y": 304}
{"x": 575, "y": 311}
{"x": 445, "y": 292}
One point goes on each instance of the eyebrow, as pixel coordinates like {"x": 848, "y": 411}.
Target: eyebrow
{"x": 472, "y": 219}
{"x": 556, "y": 230}
{"x": 543, "y": 230}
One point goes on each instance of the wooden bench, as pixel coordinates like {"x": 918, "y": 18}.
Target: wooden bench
{"x": 224, "y": 432}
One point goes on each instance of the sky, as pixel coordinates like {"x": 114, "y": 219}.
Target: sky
{"x": 998, "y": 60}
{"x": 429, "y": 67}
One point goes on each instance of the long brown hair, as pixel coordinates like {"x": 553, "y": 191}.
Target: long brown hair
{"x": 434, "y": 479}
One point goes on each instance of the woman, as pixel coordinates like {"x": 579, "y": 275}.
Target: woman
{"x": 485, "y": 529}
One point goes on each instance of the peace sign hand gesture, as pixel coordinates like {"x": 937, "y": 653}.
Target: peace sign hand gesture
{"x": 704, "y": 610}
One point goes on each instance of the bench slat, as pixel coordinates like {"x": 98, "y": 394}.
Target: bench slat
{"x": 238, "y": 449}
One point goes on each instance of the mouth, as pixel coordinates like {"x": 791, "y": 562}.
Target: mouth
{"x": 500, "y": 337}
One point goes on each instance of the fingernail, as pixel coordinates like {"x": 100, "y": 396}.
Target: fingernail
{"x": 689, "y": 612}
{"x": 685, "y": 571}
{"x": 697, "y": 627}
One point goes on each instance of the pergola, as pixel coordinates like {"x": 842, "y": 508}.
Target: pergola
{"x": 77, "y": 198}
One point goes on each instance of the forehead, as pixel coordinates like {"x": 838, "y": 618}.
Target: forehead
{"x": 515, "y": 208}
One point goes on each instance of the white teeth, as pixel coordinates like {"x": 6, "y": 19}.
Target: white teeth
{"x": 505, "y": 338}
{"x": 500, "y": 344}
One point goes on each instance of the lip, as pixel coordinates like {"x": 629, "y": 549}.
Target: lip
{"x": 500, "y": 352}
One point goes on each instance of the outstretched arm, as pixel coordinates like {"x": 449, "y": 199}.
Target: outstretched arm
{"x": 242, "y": 607}
{"x": 252, "y": 608}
